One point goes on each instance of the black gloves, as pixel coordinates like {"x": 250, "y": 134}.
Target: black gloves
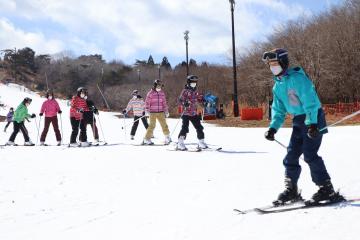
{"x": 270, "y": 134}
{"x": 96, "y": 111}
{"x": 40, "y": 114}
{"x": 124, "y": 111}
{"x": 80, "y": 110}
{"x": 313, "y": 131}
{"x": 33, "y": 115}
{"x": 59, "y": 112}
{"x": 186, "y": 104}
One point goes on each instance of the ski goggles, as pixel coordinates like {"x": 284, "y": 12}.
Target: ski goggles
{"x": 272, "y": 56}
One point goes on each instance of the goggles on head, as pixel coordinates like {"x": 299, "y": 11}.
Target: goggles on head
{"x": 272, "y": 56}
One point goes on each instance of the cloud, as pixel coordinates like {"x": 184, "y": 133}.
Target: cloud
{"x": 11, "y": 37}
{"x": 127, "y": 28}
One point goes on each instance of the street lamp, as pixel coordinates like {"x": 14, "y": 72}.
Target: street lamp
{"x": 186, "y": 37}
{"x": 138, "y": 71}
{"x": 159, "y": 67}
{"x": 235, "y": 96}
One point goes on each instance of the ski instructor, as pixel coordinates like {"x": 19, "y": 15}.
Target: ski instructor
{"x": 294, "y": 93}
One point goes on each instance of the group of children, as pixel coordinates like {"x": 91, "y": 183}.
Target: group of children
{"x": 293, "y": 93}
{"x": 155, "y": 107}
{"x": 81, "y": 114}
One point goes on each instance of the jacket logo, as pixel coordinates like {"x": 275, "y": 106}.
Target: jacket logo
{"x": 293, "y": 98}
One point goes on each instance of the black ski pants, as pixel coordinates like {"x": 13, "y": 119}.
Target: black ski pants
{"x": 19, "y": 127}
{"x": 75, "y": 125}
{"x": 136, "y": 124}
{"x": 195, "y": 120}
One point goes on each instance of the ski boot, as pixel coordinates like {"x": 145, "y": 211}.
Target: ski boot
{"x": 43, "y": 144}
{"x": 167, "y": 140}
{"x": 96, "y": 142}
{"x": 84, "y": 144}
{"x": 132, "y": 137}
{"x": 58, "y": 143}
{"x": 202, "y": 144}
{"x": 326, "y": 193}
{"x": 29, "y": 143}
{"x": 181, "y": 145}
{"x": 289, "y": 195}
{"x": 10, "y": 143}
{"x": 147, "y": 142}
{"x": 74, "y": 145}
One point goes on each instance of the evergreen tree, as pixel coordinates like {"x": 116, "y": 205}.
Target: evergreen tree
{"x": 165, "y": 63}
{"x": 150, "y": 61}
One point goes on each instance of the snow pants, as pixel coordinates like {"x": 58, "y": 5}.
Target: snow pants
{"x": 195, "y": 120}
{"x": 19, "y": 127}
{"x": 75, "y": 124}
{"x": 299, "y": 144}
{"x": 54, "y": 122}
{"x": 136, "y": 124}
{"x": 160, "y": 116}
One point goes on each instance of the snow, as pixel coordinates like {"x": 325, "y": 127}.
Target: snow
{"x": 138, "y": 192}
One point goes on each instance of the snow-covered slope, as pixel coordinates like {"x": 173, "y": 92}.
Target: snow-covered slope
{"x": 137, "y": 192}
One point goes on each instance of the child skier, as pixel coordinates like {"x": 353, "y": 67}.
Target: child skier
{"x": 21, "y": 113}
{"x": 156, "y": 108}
{"x": 89, "y": 119}
{"x": 137, "y": 105}
{"x": 9, "y": 118}
{"x": 51, "y": 108}
{"x": 78, "y": 107}
{"x": 294, "y": 93}
{"x": 189, "y": 98}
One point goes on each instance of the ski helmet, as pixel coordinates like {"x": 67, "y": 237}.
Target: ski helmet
{"x": 157, "y": 82}
{"x": 135, "y": 92}
{"x": 278, "y": 54}
{"x": 27, "y": 100}
{"x": 192, "y": 79}
{"x": 49, "y": 93}
{"x": 81, "y": 90}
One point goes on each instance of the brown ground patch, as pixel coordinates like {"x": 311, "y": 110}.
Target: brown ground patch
{"x": 237, "y": 122}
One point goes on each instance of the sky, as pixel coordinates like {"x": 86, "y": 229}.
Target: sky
{"x": 127, "y": 30}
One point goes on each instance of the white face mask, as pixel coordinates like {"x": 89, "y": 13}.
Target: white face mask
{"x": 158, "y": 89}
{"x": 82, "y": 95}
{"x": 50, "y": 97}
{"x": 85, "y": 97}
{"x": 134, "y": 97}
{"x": 193, "y": 85}
{"x": 276, "y": 70}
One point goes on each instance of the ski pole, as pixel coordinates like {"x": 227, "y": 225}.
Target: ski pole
{"x": 341, "y": 120}
{"x": 37, "y": 128}
{"x": 133, "y": 122}
{"x": 124, "y": 126}
{"x": 172, "y": 133}
{"x": 61, "y": 125}
{"x": 102, "y": 132}
{"x": 283, "y": 145}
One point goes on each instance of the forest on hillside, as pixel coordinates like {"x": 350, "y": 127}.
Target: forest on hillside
{"x": 327, "y": 46}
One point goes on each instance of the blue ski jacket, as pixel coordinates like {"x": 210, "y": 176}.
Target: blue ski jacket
{"x": 294, "y": 93}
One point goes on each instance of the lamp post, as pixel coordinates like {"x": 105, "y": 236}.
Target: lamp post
{"x": 235, "y": 95}
{"x": 159, "y": 67}
{"x": 138, "y": 71}
{"x": 186, "y": 37}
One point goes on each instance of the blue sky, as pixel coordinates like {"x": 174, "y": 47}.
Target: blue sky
{"x": 133, "y": 29}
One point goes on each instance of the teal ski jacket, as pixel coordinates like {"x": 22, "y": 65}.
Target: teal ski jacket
{"x": 294, "y": 93}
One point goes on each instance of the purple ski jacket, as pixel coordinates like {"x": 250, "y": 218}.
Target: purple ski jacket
{"x": 192, "y": 97}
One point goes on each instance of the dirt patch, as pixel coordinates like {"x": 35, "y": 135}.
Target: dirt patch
{"x": 2, "y": 118}
{"x": 237, "y": 122}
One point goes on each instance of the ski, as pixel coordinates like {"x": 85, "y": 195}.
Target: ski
{"x": 218, "y": 149}
{"x": 267, "y": 207}
{"x": 304, "y": 207}
{"x": 299, "y": 205}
